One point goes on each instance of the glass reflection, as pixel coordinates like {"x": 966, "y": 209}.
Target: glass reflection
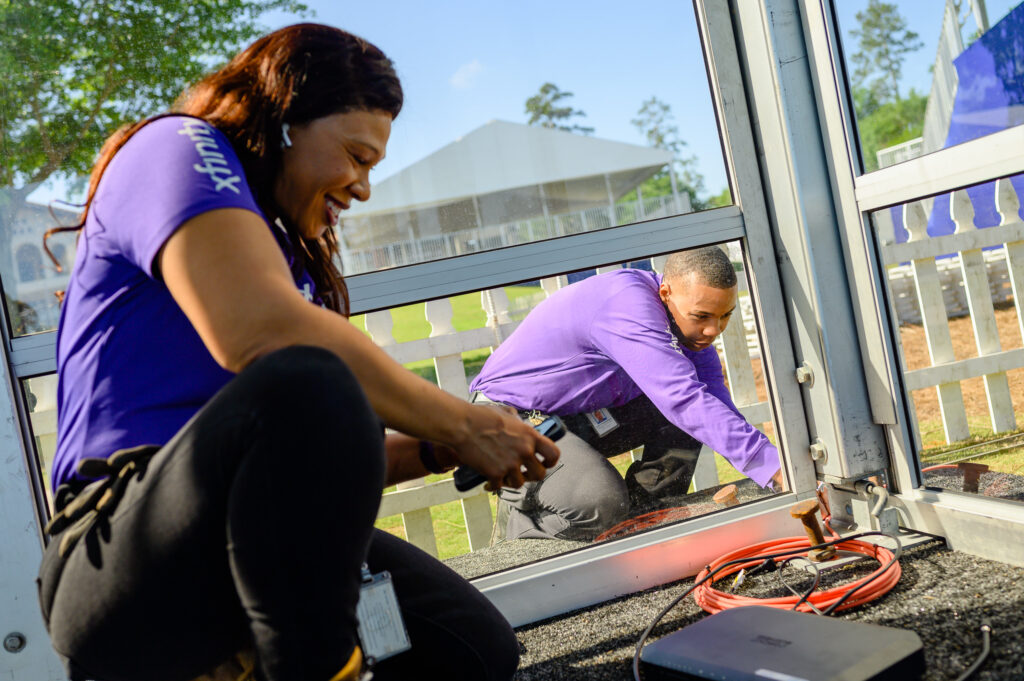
{"x": 487, "y": 153}
{"x": 626, "y": 467}
{"x": 926, "y": 76}
{"x": 956, "y": 296}
{"x": 41, "y": 401}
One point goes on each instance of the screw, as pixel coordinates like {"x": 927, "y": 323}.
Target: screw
{"x": 14, "y": 642}
{"x": 805, "y": 511}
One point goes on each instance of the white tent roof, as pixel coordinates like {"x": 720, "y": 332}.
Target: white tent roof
{"x": 500, "y": 156}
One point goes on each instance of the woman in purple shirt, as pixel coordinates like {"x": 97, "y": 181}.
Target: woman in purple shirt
{"x": 204, "y": 336}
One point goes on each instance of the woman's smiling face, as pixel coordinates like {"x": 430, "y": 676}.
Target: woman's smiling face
{"x": 328, "y": 166}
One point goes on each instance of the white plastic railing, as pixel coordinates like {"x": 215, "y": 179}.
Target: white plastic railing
{"x": 738, "y": 345}
{"x": 929, "y": 286}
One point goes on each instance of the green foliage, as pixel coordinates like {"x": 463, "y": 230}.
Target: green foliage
{"x": 654, "y": 120}
{"x": 883, "y": 40}
{"x": 885, "y": 125}
{"x": 544, "y": 110}
{"x": 722, "y": 198}
{"x": 76, "y": 70}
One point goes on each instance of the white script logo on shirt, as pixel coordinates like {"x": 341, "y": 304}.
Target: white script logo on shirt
{"x": 213, "y": 162}
{"x": 675, "y": 341}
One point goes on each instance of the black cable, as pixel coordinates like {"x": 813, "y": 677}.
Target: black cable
{"x": 986, "y": 631}
{"x": 806, "y": 594}
{"x": 772, "y": 557}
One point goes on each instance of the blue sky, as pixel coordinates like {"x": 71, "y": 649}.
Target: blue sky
{"x": 464, "y": 62}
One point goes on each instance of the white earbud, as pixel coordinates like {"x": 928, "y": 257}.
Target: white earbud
{"x": 286, "y": 141}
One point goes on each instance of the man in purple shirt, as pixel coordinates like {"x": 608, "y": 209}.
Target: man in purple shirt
{"x": 626, "y": 359}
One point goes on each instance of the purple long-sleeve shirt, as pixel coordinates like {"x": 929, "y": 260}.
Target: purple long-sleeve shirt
{"x": 605, "y": 340}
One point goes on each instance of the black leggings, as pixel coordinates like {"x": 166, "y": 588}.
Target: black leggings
{"x": 248, "y": 529}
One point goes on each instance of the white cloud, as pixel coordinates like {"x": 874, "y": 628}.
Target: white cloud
{"x": 465, "y": 76}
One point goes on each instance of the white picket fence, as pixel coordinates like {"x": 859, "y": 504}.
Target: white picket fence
{"x": 445, "y": 345}
{"x": 929, "y": 286}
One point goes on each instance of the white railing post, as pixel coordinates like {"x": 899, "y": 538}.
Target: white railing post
{"x": 1008, "y": 205}
{"x": 552, "y": 284}
{"x": 451, "y": 377}
{"x": 496, "y": 305}
{"x": 983, "y": 316}
{"x": 936, "y": 324}
{"x": 451, "y": 373}
{"x": 419, "y": 528}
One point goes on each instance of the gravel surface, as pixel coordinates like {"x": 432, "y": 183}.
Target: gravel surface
{"x": 990, "y": 484}
{"x": 943, "y": 596}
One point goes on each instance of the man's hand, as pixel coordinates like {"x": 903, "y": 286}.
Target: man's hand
{"x": 778, "y": 483}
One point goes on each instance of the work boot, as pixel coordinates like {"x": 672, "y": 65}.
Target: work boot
{"x": 353, "y": 669}
{"x": 241, "y": 666}
{"x": 238, "y": 668}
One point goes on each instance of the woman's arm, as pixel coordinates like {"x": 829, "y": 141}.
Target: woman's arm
{"x": 404, "y": 460}
{"x": 227, "y": 274}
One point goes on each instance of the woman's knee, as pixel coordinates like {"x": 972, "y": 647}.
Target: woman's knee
{"x": 309, "y": 402}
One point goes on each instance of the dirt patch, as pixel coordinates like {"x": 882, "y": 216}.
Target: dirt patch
{"x": 925, "y": 401}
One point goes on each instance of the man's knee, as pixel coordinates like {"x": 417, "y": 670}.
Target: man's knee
{"x": 591, "y": 508}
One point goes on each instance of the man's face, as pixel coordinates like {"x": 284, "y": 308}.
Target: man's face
{"x": 701, "y": 311}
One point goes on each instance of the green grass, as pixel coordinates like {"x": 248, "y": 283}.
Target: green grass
{"x": 1009, "y": 461}
{"x": 410, "y": 323}
{"x": 450, "y": 526}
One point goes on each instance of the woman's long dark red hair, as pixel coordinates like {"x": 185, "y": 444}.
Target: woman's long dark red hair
{"x": 293, "y": 75}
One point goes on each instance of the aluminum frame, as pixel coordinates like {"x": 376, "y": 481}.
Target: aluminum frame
{"x": 989, "y": 528}
{"x": 812, "y": 254}
{"x": 20, "y": 528}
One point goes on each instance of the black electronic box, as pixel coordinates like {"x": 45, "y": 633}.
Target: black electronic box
{"x": 758, "y": 643}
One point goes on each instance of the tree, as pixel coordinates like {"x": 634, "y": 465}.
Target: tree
{"x": 885, "y": 125}
{"x": 656, "y": 123}
{"x": 75, "y": 70}
{"x": 883, "y": 41}
{"x": 544, "y": 110}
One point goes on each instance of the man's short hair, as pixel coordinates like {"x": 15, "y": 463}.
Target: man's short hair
{"x": 709, "y": 263}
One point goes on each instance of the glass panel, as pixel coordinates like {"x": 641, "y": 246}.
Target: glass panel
{"x": 929, "y": 75}
{"x": 471, "y": 324}
{"x": 41, "y": 400}
{"x": 512, "y": 132}
{"x": 954, "y": 286}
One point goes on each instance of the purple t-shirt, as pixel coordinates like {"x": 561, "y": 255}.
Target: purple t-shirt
{"x": 605, "y": 340}
{"x": 131, "y": 368}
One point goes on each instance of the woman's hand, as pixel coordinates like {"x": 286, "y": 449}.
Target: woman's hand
{"x": 502, "y": 448}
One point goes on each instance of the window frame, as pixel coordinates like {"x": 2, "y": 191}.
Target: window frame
{"x": 987, "y": 527}
{"x": 761, "y": 194}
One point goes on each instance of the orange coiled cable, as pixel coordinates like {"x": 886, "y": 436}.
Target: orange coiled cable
{"x": 712, "y": 600}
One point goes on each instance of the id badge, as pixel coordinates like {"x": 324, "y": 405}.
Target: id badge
{"x": 602, "y": 421}
{"x": 381, "y": 629}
